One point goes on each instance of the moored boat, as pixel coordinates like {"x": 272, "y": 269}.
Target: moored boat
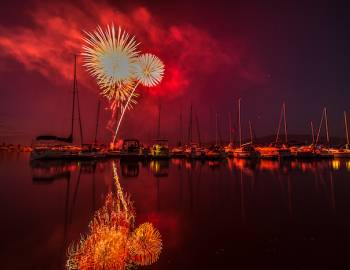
{"x": 215, "y": 152}
{"x": 194, "y": 151}
{"x": 246, "y": 151}
{"x": 277, "y": 150}
{"x": 323, "y": 152}
{"x": 131, "y": 150}
{"x": 229, "y": 149}
{"x": 113, "y": 153}
{"x": 55, "y": 147}
{"x": 178, "y": 152}
{"x": 55, "y": 152}
{"x": 341, "y": 153}
{"x": 91, "y": 152}
{"x": 268, "y": 152}
{"x": 160, "y": 150}
{"x": 305, "y": 152}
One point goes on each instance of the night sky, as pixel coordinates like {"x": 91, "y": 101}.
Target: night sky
{"x": 213, "y": 52}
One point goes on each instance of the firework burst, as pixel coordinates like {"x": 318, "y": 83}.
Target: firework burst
{"x": 111, "y": 56}
{"x": 145, "y": 244}
{"x": 149, "y": 70}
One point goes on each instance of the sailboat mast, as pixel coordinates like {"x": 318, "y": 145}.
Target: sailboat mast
{"x": 198, "y": 131}
{"x": 230, "y": 127}
{"x": 73, "y": 104}
{"x": 239, "y": 122}
{"x": 346, "y": 128}
{"x": 190, "y": 126}
{"x": 312, "y": 132}
{"x": 285, "y": 122}
{"x": 279, "y": 125}
{"x": 319, "y": 129}
{"x": 79, "y": 114}
{"x": 216, "y": 129}
{"x": 180, "y": 136}
{"x": 325, "y": 115}
{"x": 158, "y": 129}
{"x": 97, "y": 120}
{"x": 250, "y": 132}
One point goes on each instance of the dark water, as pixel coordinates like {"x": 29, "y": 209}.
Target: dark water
{"x": 227, "y": 215}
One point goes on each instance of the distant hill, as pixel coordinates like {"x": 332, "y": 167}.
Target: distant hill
{"x": 297, "y": 139}
{"x": 293, "y": 139}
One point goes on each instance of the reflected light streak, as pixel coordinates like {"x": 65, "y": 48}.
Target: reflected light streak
{"x": 335, "y": 164}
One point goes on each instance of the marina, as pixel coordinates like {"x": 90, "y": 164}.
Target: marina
{"x": 174, "y": 135}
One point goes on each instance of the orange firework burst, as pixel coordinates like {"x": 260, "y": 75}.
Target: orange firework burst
{"x": 145, "y": 244}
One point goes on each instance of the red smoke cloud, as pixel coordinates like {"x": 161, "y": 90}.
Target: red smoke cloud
{"x": 198, "y": 65}
{"x": 188, "y": 52}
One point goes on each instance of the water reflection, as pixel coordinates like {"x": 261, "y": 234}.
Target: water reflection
{"x": 159, "y": 168}
{"x": 130, "y": 169}
{"x": 50, "y": 170}
{"x": 112, "y": 242}
{"x": 230, "y": 204}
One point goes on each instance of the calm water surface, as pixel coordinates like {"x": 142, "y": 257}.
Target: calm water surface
{"x": 211, "y": 215}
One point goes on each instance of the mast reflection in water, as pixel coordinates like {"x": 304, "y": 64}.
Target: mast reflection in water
{"x": 211, "y": 215}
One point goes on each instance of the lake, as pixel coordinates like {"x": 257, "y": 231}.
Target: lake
{"x": 232, "y": 214}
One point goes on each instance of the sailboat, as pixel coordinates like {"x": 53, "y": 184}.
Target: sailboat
{"x": 305, "y": 151}
{"x": 229, "y": 149}
{"x": 277, "y": 150}
{"x": 247, "y": 150}
{"x": 52, "y": 148}
{"x": 215, "y": 151}
{"x": 343, "y": 152}
{"x": 322, "y": 151}
{"x": 160, "y": 148}
{"x": 193, "y": 150}
{"x": 178, "y": 151}
{"x": 94, "y": 151}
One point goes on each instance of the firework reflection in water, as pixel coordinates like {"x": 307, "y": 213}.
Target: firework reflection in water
{"x": 111, "y": 242}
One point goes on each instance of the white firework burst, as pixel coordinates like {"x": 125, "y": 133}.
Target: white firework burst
{"x": 110, "y": 56}
{"x": 149, "y": 70}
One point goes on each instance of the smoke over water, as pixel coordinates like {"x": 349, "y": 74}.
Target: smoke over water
{"x": 199, "y": 67}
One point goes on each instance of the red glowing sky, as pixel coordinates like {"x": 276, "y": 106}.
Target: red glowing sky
{"x": 212, "y": 55}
